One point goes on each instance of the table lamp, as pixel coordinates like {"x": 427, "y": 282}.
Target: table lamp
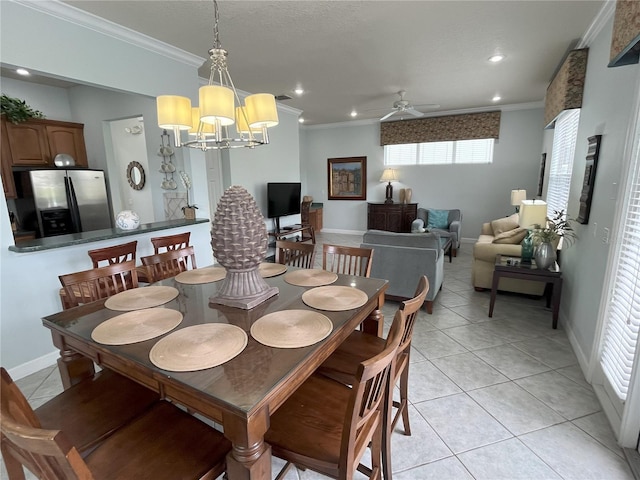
{"x": 517, "y": 196}
{"x": 533, "y": 213}
{"x": 389, "y": 175}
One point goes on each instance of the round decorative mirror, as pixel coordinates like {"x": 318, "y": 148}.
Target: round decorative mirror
{"x": 135, "y": 175}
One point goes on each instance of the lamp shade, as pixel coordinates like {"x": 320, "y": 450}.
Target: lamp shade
{"x": 389, "y": 175}
{"x": 174, "y": 112}
{"x": 205, "y": 128}
{"x": 261, "y": 110}
{"x": 216, "y": 103}
{"x": 532, "y": 213}
{"x": 241, "y": 121}
{"x": 517, "y": 196}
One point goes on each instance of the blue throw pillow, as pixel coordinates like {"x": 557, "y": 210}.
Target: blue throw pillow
{"x": 438, "y": 219}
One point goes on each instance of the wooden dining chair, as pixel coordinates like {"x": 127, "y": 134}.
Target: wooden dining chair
{"x": 114, "y": 254}
{"x": 169, "y": 264}
{"x": 163, "y": 442}
{"x": 170, "y": 242}
{"x": 88, "y": 412}
{"x": 102, "y": 282}
{"x": 347, "y": 260}
{"x": 327, "y": 426}
{"x": 342, "y": 365}
{"x": 296, "y": 254}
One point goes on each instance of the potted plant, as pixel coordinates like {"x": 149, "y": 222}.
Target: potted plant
{"x": 17, "y": 110}
{"x": 548, "y": 237}
{"x": 188, "y": 210}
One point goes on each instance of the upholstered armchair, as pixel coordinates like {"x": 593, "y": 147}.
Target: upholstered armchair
{"x": 445, "y": 222}
{"x": 402, "y": 258}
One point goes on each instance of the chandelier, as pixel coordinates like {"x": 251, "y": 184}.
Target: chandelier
{"x": 220, "y": 121}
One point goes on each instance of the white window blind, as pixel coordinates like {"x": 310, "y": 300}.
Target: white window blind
{"x": 623, "y": 311}
{"x": 440, "y": 153}
{"x": 564, "y": 148}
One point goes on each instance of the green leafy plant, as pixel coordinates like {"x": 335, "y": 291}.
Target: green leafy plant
{"x": 558, "y": 226}
{"x": 17, "y": 110}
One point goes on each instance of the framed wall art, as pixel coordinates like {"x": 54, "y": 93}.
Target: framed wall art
{"x": 347, "y": 178}
{"x": 543, "y": 162}
{"x": 589, "y": 179}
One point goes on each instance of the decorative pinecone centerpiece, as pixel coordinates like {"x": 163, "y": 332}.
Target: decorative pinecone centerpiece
{"x": 239, "y": 242}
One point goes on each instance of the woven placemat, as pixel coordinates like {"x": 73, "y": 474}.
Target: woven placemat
{"x": 142, "y": 297}
{"x": 201, "y": 275}
{"x": 136, "y": 326}
{"x": 334, "y": 298}
{"x": 271, "y": 269}
{"x": 291, "y": 328}
{"x": 310, "y": 277}
{"x": 198, "y": 347}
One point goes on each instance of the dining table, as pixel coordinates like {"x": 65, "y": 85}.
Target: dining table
{"x": 240, "y": 394}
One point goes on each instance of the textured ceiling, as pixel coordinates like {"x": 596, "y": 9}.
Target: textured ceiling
{"x": 356, "y": 55}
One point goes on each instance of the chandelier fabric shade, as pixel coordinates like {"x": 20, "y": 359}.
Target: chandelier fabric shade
{"x": 219, "y": 108}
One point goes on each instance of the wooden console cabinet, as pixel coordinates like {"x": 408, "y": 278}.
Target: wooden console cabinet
{"x": 35, "y": 143}
{"x": 392, "y": 217}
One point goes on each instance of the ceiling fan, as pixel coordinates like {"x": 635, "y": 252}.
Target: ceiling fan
{"x": 405, "y": 106}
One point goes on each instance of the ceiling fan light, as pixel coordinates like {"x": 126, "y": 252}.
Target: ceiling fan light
{"x": 174, "y": 112}
{"x": 261, "y": 110}
{"x": 200, "y": 127}
{"x": 216, "y": 103}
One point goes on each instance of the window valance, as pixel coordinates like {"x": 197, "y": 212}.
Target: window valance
{"x": 625, "y": 39}
{"x": 566, "y": 88}
{"x": 468, "y": 126}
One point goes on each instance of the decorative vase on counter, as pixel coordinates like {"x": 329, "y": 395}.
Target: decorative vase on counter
{"x": 401, "y": 195}
{"x": 407, "y": 195}
{"x": 127, "y": 220}
{"x": 527, "y": 248}
{"x": 189, "y": 213}
{"x": 545, "y": 255}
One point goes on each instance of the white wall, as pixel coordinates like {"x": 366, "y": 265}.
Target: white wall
{"x": 53, "y": 102}
{"x": 482, "y": 192}
{"x": 606, "y": 111}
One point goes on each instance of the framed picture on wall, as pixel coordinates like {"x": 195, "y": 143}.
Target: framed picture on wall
{"x": 589, "y": 178}
{"x": 347, "y": 178}
{"x": 543, "y": 162}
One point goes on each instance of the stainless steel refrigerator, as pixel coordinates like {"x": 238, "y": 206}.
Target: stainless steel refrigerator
{"x": 64, "y": 201}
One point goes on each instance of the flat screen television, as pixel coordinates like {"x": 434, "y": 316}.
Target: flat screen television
{"x": 283, "y": 199}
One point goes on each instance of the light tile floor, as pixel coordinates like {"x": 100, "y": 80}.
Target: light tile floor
{"x": 491, "y": 398}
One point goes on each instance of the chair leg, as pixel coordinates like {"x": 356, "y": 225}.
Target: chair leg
{"x": 428, "y": 306}
{"x": 378, "y": 446}
{"x": 404, "y": 400}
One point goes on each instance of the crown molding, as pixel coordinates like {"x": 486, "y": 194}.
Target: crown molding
{"x": 600, "y": 20}
{"x": 87, "y": 20}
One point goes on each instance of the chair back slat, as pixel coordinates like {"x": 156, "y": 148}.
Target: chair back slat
{"x": 347, "y": 260}
{"x": 170, "y": 263}
{"x": 170, "y": 242}
{"x": 365, "y": 409}
{"x": 115, "y": 254}
{"x": 102, "y": 282}
{"x": 410, "y": 308}
{"x": 295, "y": 254}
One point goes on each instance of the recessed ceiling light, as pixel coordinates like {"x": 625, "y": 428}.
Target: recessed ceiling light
{"x": 299, "y": 91}
{"x": 301, "y": 120}
{"x": 22, "y": 71}
{"x": 496, "y": 98}
{"x": 354, "y": 113}
{"x": 496, "y": 58}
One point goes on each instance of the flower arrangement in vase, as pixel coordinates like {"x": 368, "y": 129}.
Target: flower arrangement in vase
{"x": 188, "y": 210}
{"x": 547, "y": 238}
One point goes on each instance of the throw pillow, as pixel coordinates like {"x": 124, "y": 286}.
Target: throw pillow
{"x": 504, "y": 224}
{"x": 438, "y": 219}
{"x": 512, "y": 237}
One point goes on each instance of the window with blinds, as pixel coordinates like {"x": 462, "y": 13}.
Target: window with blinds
{"x": 564, "y": 146}
{"x": 440, "y": 153}
{"x": 623, "y": 310}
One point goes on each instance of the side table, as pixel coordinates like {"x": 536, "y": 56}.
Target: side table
{"x": 512, "y": 267}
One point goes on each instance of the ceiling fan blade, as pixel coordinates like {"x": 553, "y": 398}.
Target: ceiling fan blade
{"x": 427, "y": 106}
{"x": 414, "y": 112}
{"x": 388, "y": 115}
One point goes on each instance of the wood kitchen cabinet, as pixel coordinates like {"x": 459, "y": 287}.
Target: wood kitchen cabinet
{"x": 392, "y": 217}
{"x": 35, "y": 143}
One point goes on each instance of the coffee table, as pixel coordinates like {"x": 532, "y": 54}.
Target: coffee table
{"x": 513, "y": 267}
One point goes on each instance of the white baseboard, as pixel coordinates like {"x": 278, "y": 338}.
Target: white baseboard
{"x": 35, "y": 365}
{"x": 583, "y": 361}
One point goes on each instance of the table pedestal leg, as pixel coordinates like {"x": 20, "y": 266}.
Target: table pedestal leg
{"x": 249, "y": 463}
{"x": 494, "y": 291}
{"x": 374, "y": 323}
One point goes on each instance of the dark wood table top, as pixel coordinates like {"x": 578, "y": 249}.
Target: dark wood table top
{"x": 515, "y": 264}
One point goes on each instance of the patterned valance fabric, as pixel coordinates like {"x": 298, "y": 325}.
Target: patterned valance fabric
{"x": 565, "y": 91}
{"x": 441, "y": 129}
{"x": 625, "y": 39}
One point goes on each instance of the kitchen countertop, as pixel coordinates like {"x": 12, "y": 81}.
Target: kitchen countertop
{"x": 97, "y": 235}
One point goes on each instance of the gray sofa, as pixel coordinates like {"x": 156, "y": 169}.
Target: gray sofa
{"x": 454, "y": 230}
{"x": 402, "y": 258}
